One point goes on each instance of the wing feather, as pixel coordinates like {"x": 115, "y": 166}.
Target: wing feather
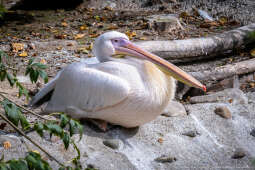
{"x": 86, "y": 88}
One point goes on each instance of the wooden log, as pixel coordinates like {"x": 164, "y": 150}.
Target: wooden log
{"x": 227, "y": 71}
{"x": 200, "y": 48}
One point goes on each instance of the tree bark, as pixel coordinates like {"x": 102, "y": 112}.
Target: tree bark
{"x": 223, "y": 72}
{"x": 200, "y": 48}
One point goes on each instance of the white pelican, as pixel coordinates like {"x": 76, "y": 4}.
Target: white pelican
{"x": 128, "y": 91}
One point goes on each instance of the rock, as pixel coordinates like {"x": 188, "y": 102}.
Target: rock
{"x": 112, "y": 143}
{"x": 54, "y": 45}
{"x": 174, "y": 108}
{"x": 164, "y": 22}
{"x": 223, "y": 111}
{"x": 165, "y": 159}
{"x": 24, "y": 79}
{"x": 233, "y": 95}
{"x": 252, "y": 133}
{"x": 142, "y": 148}
{"x": 14, "y": 148}
{"x": 191, "y": 133}
{"x": 238, "y": 154}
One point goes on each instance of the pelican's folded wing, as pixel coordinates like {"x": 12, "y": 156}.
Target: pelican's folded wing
{"x": 87, "y": 89}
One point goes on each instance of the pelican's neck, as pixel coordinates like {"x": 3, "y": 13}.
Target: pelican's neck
{"x": 103, "y": 59}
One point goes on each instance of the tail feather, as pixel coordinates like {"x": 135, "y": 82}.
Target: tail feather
{"x": 44, "y": 94}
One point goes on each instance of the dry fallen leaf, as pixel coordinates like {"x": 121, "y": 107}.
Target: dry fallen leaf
{"x": 90, "y": 46}
{"x": 112, "y": 27}
{"x": 43, "y": 61}
{"x": 131, "y": 34}
{"x": 108, "y": 8}
{"x": 7, "y": 145}
{"x": 142, "y": 38}
{"x": 82, "y": 50}
{"x": 23, "y": 54}
{"x": 59, "y": 48}
{"x": 83, "y": 27}
{"x": 61, "y": 36}
{"x": 223, "y": 20}
{"x": 252, "y": 52}
{"x": 252, "y": 84}
{"x": 36, "y": 151}
{"x": 17, "y": 47}
{"x": 79, "y": 36}
{"x": 64, "y": 24}
{"x": 160, "y": 140}
{"x": 97, "y": 18}
{"x": 93, "y": 35}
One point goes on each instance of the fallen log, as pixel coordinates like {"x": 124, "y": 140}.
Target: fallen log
{"x": 200, "y": 48}
{"x": 226, "y": 71}
{"x": 219, "y": 77}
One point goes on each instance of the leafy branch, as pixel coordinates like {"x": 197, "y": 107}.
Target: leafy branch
{"x": 35, "y": 70}
{"x": 33, "y": 160}
{"x": 15, "y": 117}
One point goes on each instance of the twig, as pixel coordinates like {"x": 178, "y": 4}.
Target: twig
{"x": 33, "y": 113}
{"x": 28, "y": 138}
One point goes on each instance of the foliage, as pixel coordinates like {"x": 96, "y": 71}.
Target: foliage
{"x": 32, "y": 161}
{"x": 35, "y": 70}
{"x": 14, "y": 114}
{"x": 2, "y": 9}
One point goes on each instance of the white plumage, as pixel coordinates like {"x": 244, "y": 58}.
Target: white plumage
{"x": 125, "y": 91}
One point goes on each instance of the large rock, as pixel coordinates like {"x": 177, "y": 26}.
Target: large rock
{"x": 162, "y": 143}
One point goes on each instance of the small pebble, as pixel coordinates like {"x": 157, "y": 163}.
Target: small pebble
{"x": 165, "y": 159}
{"x": 238, "y": 154}
{"x": 191, "y": 133}
{"x": 112, "y": 143}
{"x": 223, "y": 112}
{"x": 253, "y": 133}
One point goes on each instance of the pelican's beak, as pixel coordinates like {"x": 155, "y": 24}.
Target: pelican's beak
{"x": 131, "y": 49}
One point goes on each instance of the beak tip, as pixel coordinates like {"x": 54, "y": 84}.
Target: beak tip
{"x": 204, "y": 88}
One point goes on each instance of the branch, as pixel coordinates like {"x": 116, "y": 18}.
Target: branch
{"x": 28, "y": 138}
{"x": 200, "y": 48}
{"x": 33, "y": 113}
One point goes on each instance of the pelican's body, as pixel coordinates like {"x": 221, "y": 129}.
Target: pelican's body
{"x": 124, "y": 91}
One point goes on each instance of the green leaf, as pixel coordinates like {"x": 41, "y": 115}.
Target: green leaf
{"x": 71, "y": 127}
{"x": 22, "y": 90}
{"x": 3, "y": 166}
{"x": 80, "y": 128}
{"x": 33, "y": 74}
{"x": 14, "y": 114}
{"x": 31, "y": 60}
{"x": 35, "y": 162}
{"x": 10, "y": 79}
{"x": 23, "y": 121}
{"x": 3, "y": 74}
{"x": 11, "y": 112}
{"x": 66, "y": 140}
{"x": 28, "y": 69}
{"x": 2, "y": 158}
{"x": 39, "y": 65}
{"x": 55, "y": 129}
{"x": 39, "y": 128}
{"x": 63, "y": 120}
{"x": 43, "y": 75}
{"x": 17, "y": 164}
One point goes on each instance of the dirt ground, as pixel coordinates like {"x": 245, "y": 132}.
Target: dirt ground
{"x": 59, "y": 37}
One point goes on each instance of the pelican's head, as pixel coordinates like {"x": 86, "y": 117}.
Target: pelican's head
{"x": 115, "y": 43}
